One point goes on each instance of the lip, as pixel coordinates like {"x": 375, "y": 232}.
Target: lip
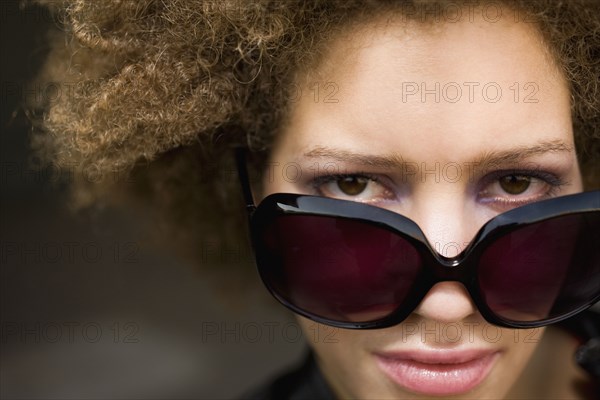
{"x": 437, "y": 372}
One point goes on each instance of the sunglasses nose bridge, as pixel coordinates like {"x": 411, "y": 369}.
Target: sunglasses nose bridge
{"x": 449, "y": 269}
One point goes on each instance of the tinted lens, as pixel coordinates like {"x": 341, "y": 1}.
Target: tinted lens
{"x": 340, "y": 269}
{"x": 543, "y": 270}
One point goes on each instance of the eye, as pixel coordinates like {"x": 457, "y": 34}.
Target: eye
{"x": 356, "y": 187}
{"x": 505, "y": 190}
{"x": 352, "y": 185}
{"x": 515, "y": 184}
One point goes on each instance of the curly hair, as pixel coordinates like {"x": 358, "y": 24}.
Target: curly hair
{"x": 163, "y": 89}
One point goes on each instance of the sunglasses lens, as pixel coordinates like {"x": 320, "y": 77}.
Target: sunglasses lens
{"x": 339, "y": 269}
{"x": 543, "y": 270}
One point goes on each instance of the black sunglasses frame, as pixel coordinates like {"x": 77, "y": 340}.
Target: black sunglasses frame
{"x": 437, "y": 268}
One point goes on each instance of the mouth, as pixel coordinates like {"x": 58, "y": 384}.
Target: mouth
{"x": 437, "y": 372}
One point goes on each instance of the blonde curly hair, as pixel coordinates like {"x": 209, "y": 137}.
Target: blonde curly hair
{"x": 163, "y": 89}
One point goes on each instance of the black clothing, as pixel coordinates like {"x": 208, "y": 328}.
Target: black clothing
{"x": 303, "y": 383}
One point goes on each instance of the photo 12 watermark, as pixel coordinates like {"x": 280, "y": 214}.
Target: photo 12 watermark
{"x": 471, "y": 11}
{"x": 270, "y": 332}
{"x": 465, "y": 332}
{"x": 250, "y": 332}
{"x": 69, "y": 332}
{"x": 403, "y": 171}
{"x": 211, "y": 252}
{"x": 68, "y": 252}
{"x": 454, "y": 92}
{"x": 54, "y": 92}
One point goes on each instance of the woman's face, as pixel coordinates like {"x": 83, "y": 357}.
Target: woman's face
{"x": 448, "y": 125}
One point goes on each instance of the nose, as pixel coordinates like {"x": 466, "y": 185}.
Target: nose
{"x": 449, "y": 225}
{"x": 446, "y": 302}
{"x": 448, "y": 218}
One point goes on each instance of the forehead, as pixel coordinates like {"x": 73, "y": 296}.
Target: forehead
{"x": 464, "y": 86}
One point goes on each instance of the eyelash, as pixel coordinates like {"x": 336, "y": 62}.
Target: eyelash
{"x": 323, "y": 179}
{"x": 319, "y": 181}
{"x": 554, "y": 182}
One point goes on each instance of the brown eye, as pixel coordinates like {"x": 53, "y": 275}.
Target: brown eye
{"x": 515, "y": 184}
{"x": 352, "y": 185}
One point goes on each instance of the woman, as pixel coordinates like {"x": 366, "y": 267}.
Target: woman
{"x": 448, "y": 113}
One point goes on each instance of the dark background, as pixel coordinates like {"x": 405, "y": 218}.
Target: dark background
{"x": 88, "y": 310}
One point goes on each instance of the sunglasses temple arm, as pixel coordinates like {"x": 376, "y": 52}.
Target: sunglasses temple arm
{"x": 240, "y": 160}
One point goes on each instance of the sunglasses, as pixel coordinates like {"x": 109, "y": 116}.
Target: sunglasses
{"x": 352, "y": 265}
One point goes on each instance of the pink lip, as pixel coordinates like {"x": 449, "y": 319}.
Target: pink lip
{"x": 437, "y": 372}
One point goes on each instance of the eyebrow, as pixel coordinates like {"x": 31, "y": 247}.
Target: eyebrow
{"x": 380, "y": 161}
{"x": 521, "y": 153}
{"x": 513, "y": 155}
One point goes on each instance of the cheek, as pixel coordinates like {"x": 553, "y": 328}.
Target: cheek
{"x": 337, "y": 349}
{"x": 517, "y": 367}
{"x": 519, "y": 346}
{"x": 344, "y": 360}
{"x": 330, "y": 342}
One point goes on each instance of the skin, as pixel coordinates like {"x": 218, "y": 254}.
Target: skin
{"x": 372, "y": 122}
